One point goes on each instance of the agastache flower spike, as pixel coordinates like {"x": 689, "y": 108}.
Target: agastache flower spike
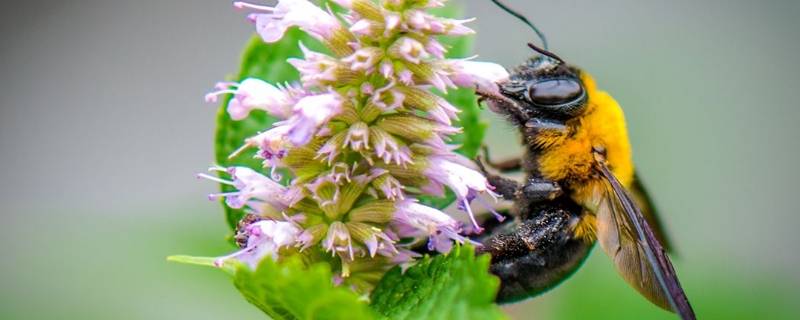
{"x": 435, "y": 48}
{"x": 388, "y": 97}
{"x": 361, "y": 136}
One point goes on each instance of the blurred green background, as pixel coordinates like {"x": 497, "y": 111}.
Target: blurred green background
{"x": 102, "y": 128}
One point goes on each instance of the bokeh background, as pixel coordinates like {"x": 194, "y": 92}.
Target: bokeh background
{"x": 102, "y": 128}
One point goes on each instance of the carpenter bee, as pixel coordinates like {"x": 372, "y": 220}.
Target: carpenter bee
{"x": 580, "y": 186}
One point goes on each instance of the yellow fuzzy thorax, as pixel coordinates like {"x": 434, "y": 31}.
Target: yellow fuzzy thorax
{"x": 568, "y": 158}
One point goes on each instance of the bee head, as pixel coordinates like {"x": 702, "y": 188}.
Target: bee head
{"x": 547, "y": 86}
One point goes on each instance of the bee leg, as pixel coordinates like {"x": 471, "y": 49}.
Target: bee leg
{"x": 508, "y": 165}
{"x": 503, "y": 105}
{"x": 543, "y": 125}
{"x": 535, "y": 254}
{"x": 506, "y": 187}
{"x": 538, "y": 190}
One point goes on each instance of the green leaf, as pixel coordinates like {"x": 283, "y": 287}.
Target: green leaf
{"x": 469, "y": 118}
{"x": 228, "y": 266}
{"x": 453, "y": 286}
{"x": 289, "y": 290}
{"x": 463, "y": 99}
{"x": 265, "y": 61}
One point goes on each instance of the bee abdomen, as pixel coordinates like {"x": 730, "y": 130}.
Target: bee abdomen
{"x": 539, "y": 253}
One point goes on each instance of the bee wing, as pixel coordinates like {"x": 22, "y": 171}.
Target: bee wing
{"x": 626, "y": 236}
{"x": 645, "y": 203}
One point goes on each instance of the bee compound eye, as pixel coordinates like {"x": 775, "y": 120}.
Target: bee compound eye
{"x": 554, "y": 92}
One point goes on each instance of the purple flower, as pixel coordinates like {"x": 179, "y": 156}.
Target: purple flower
{"x": 326, "y": 192}
{"x": 272, "y": 145}
{"x": 366, "y": 27}
{"x": 379, "y": 243}
{"x": 332, "y": 148}
{"x": 387, "y": 70}
{"x": 253, "y": 94}
{"x": 265, "y": 238}
{"x": 406, "y": 77}
{"x": 272, "y": 22}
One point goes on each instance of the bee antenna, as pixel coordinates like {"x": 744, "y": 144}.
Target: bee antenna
{"x": 525, "y": 20}
{"x": 545, "y": 52}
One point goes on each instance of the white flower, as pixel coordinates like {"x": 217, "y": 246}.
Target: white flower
{"x": 253, "y": 188}
{"x": 466, "y": 183}
{"x": 364, "y": 59}
{"x": 264, "y": 238}
{"x": 476, "y": 74}
{"x": 357, "y": 137}
{"x": 338, "y": 240}
{"x": 409, "y": 50}
{"x": 414, "y": 219}
{"x": 272, "y": 22}
{"x": 379, "y": 242}
{"x": 310, "y": 113}
{"x": 253, "y": 94}
{"x": 387, "y": 70}
{"x": 316, "y": 68}
{"x": 363, "y": 27}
